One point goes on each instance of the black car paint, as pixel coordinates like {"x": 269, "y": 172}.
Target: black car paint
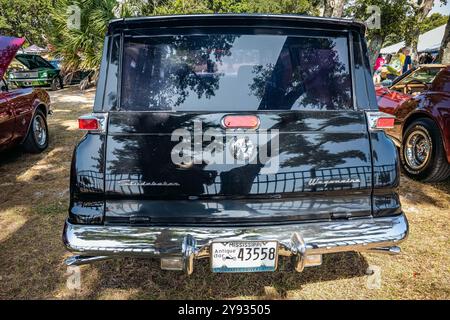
{"x": 138, "y": 144}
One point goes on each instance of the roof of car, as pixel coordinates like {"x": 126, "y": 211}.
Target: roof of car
{"x": 292, "y": 20}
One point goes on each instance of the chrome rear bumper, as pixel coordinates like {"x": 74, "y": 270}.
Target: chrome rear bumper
{"x": 188, "y": 243}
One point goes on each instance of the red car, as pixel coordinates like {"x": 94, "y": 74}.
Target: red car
{"x": 420, "y": 101}
{"x": 23, "y": 111}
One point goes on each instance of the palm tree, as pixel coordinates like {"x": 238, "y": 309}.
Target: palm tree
{"x": 81, "y": 46}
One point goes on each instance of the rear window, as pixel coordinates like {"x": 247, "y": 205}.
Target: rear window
{"x": 235, "y": 72}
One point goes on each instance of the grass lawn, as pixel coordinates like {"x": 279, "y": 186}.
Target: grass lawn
{"x": 33, "y": 207}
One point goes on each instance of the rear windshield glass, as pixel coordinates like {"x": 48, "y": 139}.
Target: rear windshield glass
{"x": 235, "y": 72}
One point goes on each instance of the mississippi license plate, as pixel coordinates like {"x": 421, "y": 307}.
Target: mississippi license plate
{"x": 244, "y": 256}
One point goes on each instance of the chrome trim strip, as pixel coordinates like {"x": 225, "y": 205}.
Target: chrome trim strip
{"x": 294, "y": 240}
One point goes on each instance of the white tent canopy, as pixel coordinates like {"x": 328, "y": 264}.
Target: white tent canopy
{"x": 34, "y": 49}
{"x": 428, "y": 41}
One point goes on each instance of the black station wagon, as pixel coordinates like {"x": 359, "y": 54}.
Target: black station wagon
{"x": 242, "y": 139}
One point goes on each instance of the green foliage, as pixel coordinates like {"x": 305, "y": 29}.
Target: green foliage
{"x": 25, "y": 18}
{"x": 282, "y": 6}
{"x": 44, "y": 22}
{"x": 393, "y": 13}
{"x": 80, "y": 48}
{"x": 433, "y": 21}
{"x": 236, "y": 6}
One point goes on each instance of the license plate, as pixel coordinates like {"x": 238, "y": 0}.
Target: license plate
{"x": 244, "y": 256}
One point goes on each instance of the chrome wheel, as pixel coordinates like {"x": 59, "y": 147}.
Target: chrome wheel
{"x": 39, "y": 130}
{"x": 417, "y": 150}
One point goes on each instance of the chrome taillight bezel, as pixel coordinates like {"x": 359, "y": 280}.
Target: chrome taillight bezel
{"x": 101, "y": 119}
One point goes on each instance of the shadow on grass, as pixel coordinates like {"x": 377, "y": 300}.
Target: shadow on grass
{"x": 31, "y": 268}
{"x": 419, "y": 192}
{"x": 30, "y": 259}
{"x": 145, "y": 279}
{"x": 10, "y": 155}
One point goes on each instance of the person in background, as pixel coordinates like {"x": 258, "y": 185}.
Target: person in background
{"x": 379, "y": 62}
{"x": 426, "y": 58}
{"x": 395, "y": 65}
{"x": 407, "y": 62}
{"x": 401, "y": 56}
{"x": 388, "y": 58}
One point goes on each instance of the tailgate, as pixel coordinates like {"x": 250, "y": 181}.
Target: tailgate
{"x": 320, "y": 164}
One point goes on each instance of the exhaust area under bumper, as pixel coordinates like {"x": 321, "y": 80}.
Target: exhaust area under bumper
{"x": 178, "y": 247}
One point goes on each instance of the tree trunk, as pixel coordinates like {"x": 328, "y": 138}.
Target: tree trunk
{"x": 444, "y": 51}
{"x": 374, "y": 48}
{"x": 338, "y": 8}
{"x": 333, "y": 8}
{"x": 328, "y": 8}
{"x": 421, "y": 10}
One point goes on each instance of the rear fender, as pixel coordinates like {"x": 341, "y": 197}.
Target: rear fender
{"x": 386, "y": 175}
{"x": 87, "y": 180}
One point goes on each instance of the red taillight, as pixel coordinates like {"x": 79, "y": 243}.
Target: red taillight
{"x": 93, "y": 122}
{"x": 88, "y": 124}
{"x": 385, "y": 123}
{"x": 244, "y": 122}
{"x": 380, "y": 120}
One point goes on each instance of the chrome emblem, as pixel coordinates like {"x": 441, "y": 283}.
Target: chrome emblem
{"x": 242, "y": 148}
{"x": 326, "y": 183}
{"x": 148, "y": 184}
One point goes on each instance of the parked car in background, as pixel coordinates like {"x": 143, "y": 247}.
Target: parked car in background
{"x": 80, "y": 77}
{"x": 243, "y": 139}
{"x": 56, "y": 63}
{"x": 420, "y": 101}
{"x": 416, "y": 80}
{"x": 36, "y": 72}
{"x": 23, "y": 111}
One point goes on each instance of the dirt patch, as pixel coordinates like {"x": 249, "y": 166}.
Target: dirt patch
{"x": 33, "y": 206}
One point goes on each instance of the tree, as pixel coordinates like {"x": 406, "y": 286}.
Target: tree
{"x": 419, "y": 10}
{"x": 444, "y": 52}
{"x": 393, "y": 15}
{"x": 237, "y": 6}
{"x": 333, "y": 8}
{"x": 82, "y": 48}
{"x": 282, "y": 6}
{"x": 431, "y": 22}
{"x": 24, "y": 18}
